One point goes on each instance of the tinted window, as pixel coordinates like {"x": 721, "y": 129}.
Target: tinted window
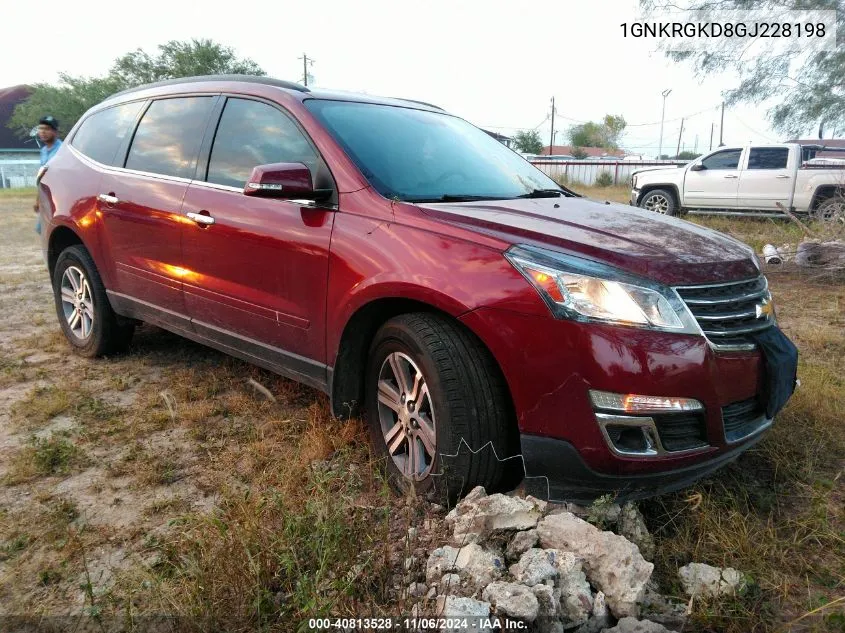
{"x": 422, "y": 155}
{"x": 251, "y": 133}
{"x": 729, "y": 159}
{"x": 169, "y": 135}
{"x": 768, "y": 158}
{"x": 101, "y": 134}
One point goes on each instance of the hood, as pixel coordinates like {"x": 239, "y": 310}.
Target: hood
{"x": 660, "y": 168}
{"x": 666, "y": 249}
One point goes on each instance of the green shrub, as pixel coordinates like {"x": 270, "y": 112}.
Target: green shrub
{"x": 604, "y": 179}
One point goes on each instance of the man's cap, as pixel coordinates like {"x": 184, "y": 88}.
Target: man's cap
{"x": 49, "y": 120}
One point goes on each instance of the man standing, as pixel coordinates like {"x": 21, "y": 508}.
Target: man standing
{"x": 48, "y": 134}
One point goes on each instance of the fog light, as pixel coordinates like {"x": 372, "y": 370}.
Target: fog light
{"x": 633, "y": 403}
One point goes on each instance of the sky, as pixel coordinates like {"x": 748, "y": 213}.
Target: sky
{"x": 494, "y": 63}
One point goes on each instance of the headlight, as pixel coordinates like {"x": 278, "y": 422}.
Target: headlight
{"x": 583, "y": 290}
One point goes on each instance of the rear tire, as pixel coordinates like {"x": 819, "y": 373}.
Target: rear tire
{"x": 452, "y": 411}
{"x": 660, "y": 201}
{"x": 85, "y": 315}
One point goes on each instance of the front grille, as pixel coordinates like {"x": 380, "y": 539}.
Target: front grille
{"x": 728, "y": 313}
{"x": 681, "y": 431}
{"x": 741, "y": 419}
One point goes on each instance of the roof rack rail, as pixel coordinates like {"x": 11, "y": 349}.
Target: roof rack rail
{"x": 255, "y": 79}
{"x": 428, "y": 105}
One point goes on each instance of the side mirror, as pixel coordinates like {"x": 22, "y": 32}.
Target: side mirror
{"x": 697, "y": 167}
{"x": 284, "y": 180}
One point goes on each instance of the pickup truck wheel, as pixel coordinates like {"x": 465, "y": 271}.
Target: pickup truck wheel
{"x": 660, "y": 201}
{"x": 830, "y": 210}
{"x": 85, "y": 315}
{"x": 437, "y": 408}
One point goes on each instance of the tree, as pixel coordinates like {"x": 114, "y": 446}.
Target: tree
{"x": 807, "y": 87}
{"x": 528, "y": 142}
{"x": 604, "y": 134}
{"x": 72, "y": 96}
{"x": 687, "y": 155}
{"x": 579, "y": 153}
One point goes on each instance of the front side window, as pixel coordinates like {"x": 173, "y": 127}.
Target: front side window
{"x": 729, "y": 159}
{"x": 768, "y": 158}
{"x": 169, "y": 136}
{"x": 101, "y": 134}
{"x": 252, "y": 133}
{"x": 418, "y": 155}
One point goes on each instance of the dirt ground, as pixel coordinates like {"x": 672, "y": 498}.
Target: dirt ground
{"x": 163, "y": 481}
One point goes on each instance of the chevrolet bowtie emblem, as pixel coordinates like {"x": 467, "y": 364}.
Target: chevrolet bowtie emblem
{"x": 764, "y": 309}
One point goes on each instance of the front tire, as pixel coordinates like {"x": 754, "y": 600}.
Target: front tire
{"x": 660, "y": 201}
{"x": 85, "y": 315}
{"x": 437, "y": 409}
{"x": 830, "y": 210}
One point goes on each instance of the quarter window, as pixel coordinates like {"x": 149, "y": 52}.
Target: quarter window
{"x": 252, "y": 133}
{"x": 169, "y": 136}
{"x": 729, "y": 159}
{"x": 101, "y": 134}
{"x": 768, "y": 158}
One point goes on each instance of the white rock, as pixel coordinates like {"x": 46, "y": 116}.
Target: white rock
{"x": 535, "y": 567}
{"x": 478, "y": 516}
{"x": 440, "y": 561}
{"x": 450, "y": 583}
{"x": 574, "y": 593}
{"x": 632, "y": 625}
{"x": 699, "y": 579}
{"x": 521, "y": 543}
{"x": 478, "y": 566}
{"x": 512, "y": 599}
{"x": 458, "y": 607}
{"x": 417, "y": 589}
{"x": 632, "y": 526}
{"x": 546, "y": 599}
{"x": 612, "y": 563}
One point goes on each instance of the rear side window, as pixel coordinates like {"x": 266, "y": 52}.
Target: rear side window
{"x": 252, "y": 133}
{"x": 169, "y": 136}
{"x": 101, "y": 134}
{"x": 768, "y": 158}
{"x": 729, "y": 159}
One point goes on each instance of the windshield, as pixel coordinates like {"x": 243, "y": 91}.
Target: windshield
{"x": 416, "y": 155}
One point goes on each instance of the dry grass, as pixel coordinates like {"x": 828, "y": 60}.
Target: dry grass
{"x": 164, "y": 482}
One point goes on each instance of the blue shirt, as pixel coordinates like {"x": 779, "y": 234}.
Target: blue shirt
{"x": 48, "y": 152}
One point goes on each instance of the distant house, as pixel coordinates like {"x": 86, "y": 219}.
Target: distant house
{"x": 592, "y": 152}
{"x": 504, "y": 140}
{"x": 18, "y": 156}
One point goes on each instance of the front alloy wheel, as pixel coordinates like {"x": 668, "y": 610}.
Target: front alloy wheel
{"x": 658, "y": 203}
{"x": 406, "y": 416}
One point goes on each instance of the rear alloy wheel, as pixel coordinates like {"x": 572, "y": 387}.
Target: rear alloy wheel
{"x": 831, "y": 210}
{"x": 85, "y": 315}
{"x": 659, "y": 201}
{"x": 439, "y": 416}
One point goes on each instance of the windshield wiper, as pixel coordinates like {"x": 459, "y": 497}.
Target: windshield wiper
{"x": 543, "y": 193}
{"x": 449, "y": 197}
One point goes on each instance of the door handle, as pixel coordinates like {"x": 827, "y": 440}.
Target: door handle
{"x": 731, "y": 176}
{"x": 201, "y": 218}
{"x": 781, "y": 176}
{"x": 108, "y": 198}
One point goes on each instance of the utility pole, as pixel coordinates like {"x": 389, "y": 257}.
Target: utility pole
{"x": 711, "y": 136}
{"x": 680, "y": 133}
{"x": 305, "y": 63}
{"x": 552, "y": 137}
{"x": 665, "y": 94}
{"x": 695, "y": 148}
{"x": 722, "y": 126}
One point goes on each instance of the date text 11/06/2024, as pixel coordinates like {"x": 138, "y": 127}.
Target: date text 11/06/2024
{"x": 491, "y": 623}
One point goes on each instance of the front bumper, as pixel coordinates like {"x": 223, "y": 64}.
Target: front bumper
{"x": 555, "y": 471}
{"x": 635, "y": 197}
{"x": 551, "y": 365}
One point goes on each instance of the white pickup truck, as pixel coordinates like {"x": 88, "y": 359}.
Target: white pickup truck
{"x": 755, "y": 179}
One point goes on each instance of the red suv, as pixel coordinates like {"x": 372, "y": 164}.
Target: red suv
{"x": 412, "y": 267}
